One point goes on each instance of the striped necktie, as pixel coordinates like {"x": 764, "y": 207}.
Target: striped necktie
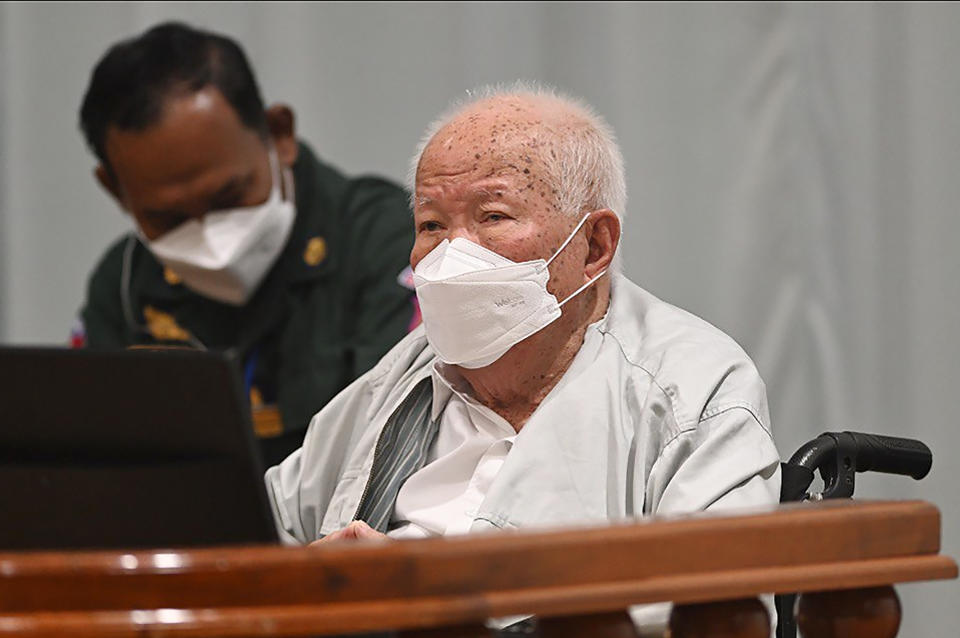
{"x": 401, "y": 450}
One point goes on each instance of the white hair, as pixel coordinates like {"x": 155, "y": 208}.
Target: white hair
{"x": 586, "y": 166}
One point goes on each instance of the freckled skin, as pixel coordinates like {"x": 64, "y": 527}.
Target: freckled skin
{"x": 486, "y": 198}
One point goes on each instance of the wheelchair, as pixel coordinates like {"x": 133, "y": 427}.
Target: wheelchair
{"x": 838, "y": 456}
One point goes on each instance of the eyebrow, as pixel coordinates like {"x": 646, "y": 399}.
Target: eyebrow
{"x": 486, "y": 193}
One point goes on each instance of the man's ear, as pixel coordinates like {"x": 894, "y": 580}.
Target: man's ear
{"x": 109, "y": 184}
{"x": 281, "y": 124}
{"x": 603, "y": 238}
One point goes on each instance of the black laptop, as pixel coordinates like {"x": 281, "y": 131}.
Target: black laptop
{"x": 126, "y": 449}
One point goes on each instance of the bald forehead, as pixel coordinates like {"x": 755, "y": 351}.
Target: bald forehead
{"x": 504, "y": 133}
{"x": 504, "y": 119}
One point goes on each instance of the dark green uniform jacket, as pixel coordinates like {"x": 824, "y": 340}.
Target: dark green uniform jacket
{"x": 329, "y": 308}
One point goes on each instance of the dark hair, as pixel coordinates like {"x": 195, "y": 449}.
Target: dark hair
{"x": 132, "y": 80}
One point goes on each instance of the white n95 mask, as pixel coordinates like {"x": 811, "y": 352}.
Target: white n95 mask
{"x": 477, "y": 304}
{"x": 225, "y": 254}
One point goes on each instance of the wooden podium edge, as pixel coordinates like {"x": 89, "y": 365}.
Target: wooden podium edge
{"x": 305, "y": 619}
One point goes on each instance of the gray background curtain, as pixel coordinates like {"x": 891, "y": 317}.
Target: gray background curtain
{"x": 792, "y": 173}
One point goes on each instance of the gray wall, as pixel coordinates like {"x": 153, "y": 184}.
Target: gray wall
{"x": 792, "y": 172}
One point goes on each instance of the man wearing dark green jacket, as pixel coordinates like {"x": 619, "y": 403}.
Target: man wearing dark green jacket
{"x": 245, "y": 242}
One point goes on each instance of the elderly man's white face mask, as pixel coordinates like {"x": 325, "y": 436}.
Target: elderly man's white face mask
{"x": 477, "y": 304}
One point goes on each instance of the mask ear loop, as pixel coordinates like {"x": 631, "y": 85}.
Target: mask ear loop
{"x": 582, "y": 288}
{"x": 567, "y": 241}
{"x": 280, "y": 173}
{"x": 564, "y": 245}
{"x": 287, "y": 177}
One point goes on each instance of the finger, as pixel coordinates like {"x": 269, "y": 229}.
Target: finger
{"x": 362, "y": 530}
{"x": 330, "y": 538}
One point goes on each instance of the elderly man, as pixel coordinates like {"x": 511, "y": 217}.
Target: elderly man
{"x": 543, "y": 388}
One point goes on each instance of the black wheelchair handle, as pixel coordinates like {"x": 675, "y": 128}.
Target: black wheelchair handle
{"x": 839, "y": 455}
{"x": 891, "y": 455}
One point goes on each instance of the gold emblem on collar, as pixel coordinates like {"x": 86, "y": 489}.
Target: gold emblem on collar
{"x": 171, "y": 277}
{"x": 163, "y": 327}
{"x": 315, "y": 252}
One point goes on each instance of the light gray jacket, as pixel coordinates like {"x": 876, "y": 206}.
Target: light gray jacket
{"x": 659, "y": 412}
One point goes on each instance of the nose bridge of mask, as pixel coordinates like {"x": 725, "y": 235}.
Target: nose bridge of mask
{"x": 480, "y": 254}
{"x": 458, "y": 257}
{"x": 466, "y": 255}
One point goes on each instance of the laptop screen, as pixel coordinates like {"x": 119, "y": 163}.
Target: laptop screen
{"x": 126, "y": 449}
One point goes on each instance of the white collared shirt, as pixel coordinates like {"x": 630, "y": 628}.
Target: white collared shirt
{"x": 442, "y": 497}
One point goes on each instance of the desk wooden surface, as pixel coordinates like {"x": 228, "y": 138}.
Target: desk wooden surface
{"x": 244, "y": 591}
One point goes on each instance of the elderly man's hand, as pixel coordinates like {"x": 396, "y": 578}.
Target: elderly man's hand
{"x": 356, "y": 530}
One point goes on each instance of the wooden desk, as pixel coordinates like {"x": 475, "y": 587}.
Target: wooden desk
{"x": 861, "y": 548}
